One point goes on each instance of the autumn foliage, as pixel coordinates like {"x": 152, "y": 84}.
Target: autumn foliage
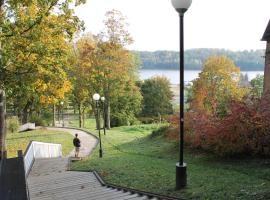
{"x": 244, "y": 131}
{"x": 243, "y": 126}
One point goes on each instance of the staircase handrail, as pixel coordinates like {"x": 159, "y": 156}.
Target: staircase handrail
{"x": 40, "y": 150}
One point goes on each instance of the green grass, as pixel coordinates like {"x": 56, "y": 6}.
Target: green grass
{"x": 20, "y": 141}
{"x": 132, "y": 158}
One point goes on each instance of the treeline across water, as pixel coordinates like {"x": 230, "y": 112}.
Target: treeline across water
{"x": 252, "y": 60}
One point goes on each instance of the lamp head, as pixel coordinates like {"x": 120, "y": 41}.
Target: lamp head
{"x": 102, "y": 98}
{"x": 181, "y": 6}
{"x": 96, "y": 96}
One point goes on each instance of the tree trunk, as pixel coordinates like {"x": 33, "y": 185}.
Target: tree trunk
{"x": 80, "y": 115}
{"x": 108, "y": 115}
{"x": 53, "y": 115}
{"x": 26, "y": 112}
{"x": 83, "y": 117}
{"x": 2, "y": 124}
{"x": 58, "y": 114}
{"x": 266, "y": 84}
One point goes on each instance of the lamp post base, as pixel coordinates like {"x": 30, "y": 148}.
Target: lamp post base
{"x": 181, "y": 175}
{"x": 100, "y": 153}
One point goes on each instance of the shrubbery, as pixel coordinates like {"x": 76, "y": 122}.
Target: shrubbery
{"x": 245, "y": 130}
{"x": 160, "y": 131}
{"x": 13, "y": 124}
{"x": 37, "y": 120}
{"x": 120, "y": 119}
{"x": 153, "y": 119}
{"x": 224, "y": 118}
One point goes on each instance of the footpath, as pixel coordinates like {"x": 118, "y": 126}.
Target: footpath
{"x": 49, "y": 179}
{"x": 88, "y": 142}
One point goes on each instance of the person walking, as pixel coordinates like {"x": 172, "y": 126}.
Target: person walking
{"x": 77, "y": 145}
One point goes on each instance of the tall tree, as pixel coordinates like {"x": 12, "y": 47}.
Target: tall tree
{"x": 27, "y": 50}
{"x": 217, "y": 84}
{"x": 115, "y": 65}
{"x": 82, "y": 58}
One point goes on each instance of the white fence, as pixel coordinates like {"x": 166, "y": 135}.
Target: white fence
{"x": 40, "y": 150}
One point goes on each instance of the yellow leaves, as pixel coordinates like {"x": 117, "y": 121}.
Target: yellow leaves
{"x": 40, "y": 86}
{"x": 46, "y": 100}
{"x": 217, "y": 84}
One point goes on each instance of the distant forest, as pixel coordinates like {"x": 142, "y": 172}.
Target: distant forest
{"x": 194, "y": 58}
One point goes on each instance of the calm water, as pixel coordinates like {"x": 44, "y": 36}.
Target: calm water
{"x": 173, "y": 75}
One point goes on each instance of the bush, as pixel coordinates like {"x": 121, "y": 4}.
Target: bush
{"x": 151, "y": 120}
{"x": 47, "y": 117}
{"x": 245, "y": 130}
{"x": 146, "y": 120}
{"x": 121, "y": 119}
{"x": 160, "y": 131}
{"x": 13, "y": 124}
{"x": 37, "y": 120}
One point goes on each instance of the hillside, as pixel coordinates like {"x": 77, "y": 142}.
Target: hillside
{"x": 194, "y": 58}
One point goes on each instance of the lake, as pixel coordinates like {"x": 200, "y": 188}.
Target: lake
{"x": 173, "y": 75}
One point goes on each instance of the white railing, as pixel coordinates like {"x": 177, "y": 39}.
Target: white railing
{"x": 40, "y": 150}
{"x": 27, "y": 126}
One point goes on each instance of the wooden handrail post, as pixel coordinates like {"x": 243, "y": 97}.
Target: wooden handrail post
{"x": 20, "y": 153}
{"x": 2, "y": 124}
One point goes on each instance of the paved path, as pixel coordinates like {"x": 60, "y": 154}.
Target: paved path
{"x": 88, "y": 142}
{"x": 50, "y": 180}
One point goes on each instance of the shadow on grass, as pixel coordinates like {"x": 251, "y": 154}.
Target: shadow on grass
{"x": 148, "y": 147}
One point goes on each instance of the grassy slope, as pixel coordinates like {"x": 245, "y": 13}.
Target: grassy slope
{"x": 133, "y": 159}
{"x": 16, "y": 141}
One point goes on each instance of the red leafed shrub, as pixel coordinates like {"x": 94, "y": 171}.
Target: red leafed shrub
{"x": 245, "y": 130}
{"x": 173, "y": 131}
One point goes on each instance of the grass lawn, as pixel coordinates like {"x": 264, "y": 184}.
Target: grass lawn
{"x": 20, "y": 141}
{"x": 132, "y": 158}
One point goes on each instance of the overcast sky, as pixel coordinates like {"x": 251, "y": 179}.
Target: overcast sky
{"x": 228, "y": 24}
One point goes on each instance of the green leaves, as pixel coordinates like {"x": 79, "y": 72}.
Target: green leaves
{"x": 157, "y": 96}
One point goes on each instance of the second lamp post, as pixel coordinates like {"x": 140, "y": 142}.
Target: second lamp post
{"x": 96, "y": 98}
{"x": 104, "y": 114}
{"x": 62, "y": 109}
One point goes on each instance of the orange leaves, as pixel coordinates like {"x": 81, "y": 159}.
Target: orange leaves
{"x": 243, "y": 131}
{"x": 217, "y": 84}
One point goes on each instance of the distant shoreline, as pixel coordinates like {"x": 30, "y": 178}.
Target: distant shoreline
{"x": 249, "y": 60}
{"x": 188, "y": 69}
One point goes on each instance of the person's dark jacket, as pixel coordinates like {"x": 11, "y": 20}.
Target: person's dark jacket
{"x": 76, "y": 142}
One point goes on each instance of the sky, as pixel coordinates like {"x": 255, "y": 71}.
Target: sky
{"x": 154, "y": 24}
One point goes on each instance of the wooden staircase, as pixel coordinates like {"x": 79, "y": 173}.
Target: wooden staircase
{"x": 49, "y": 180}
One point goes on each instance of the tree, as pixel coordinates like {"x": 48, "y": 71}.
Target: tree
{"x": 217, "y": 84}
{"x": 115, "y": 67}
{"x": 157, "y": 96}
{"x": 257, "y": 86}
{"x": 27, "y": 50}
{"x": 82, "y": 57}
{"x": 126, "y": 105}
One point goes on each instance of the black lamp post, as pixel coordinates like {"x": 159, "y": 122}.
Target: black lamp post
{"x": 62, "y": 108}
{"x": 96, "y": 98}
{"x": 104, "y": 114}
{"x": 181, "y": 6}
